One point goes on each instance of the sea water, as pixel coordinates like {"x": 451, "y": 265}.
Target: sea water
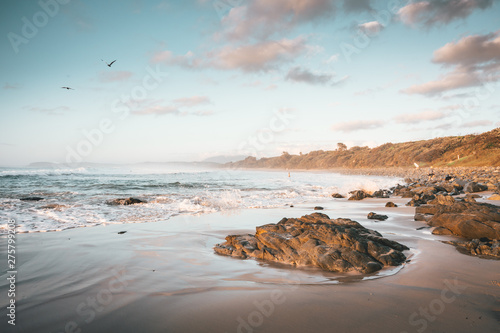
{"x": 81, "y": 194}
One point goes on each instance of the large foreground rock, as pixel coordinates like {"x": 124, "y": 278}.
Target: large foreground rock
{"x": 465, "y": 219}
{"x": 339, "y": 245}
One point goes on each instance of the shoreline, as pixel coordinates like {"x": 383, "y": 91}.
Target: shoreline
{"x": 169, "y": 275}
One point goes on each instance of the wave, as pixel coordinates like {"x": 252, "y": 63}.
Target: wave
{"x": 42, "y": 172}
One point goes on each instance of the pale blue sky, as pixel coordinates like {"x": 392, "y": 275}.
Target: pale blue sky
{"x": 222, "y": 79}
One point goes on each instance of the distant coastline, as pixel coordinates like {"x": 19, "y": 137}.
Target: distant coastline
{"x": 481, "y": 150}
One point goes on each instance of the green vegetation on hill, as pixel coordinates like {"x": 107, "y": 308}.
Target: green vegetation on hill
{"x": 469, "y": 150}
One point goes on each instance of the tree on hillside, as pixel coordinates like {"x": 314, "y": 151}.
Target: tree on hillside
{"x": 341, "y": 146}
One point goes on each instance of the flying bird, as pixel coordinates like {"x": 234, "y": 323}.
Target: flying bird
{"x": 111, "y": 63}
{"x": 68, "y": 88}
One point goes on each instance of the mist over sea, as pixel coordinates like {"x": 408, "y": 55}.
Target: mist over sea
{"x": 169, "y": 190}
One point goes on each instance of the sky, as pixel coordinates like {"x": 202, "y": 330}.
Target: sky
{"x": 200, "y": 78}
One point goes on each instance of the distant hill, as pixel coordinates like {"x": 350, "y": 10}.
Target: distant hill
{"x": 469, "y": 150}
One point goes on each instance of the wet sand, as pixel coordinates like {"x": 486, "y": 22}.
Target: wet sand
{"x": 165, "y": 277}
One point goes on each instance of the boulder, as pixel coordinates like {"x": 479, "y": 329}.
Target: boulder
{"x": 420, "y": 199}
{"x": 442, "y": 200}
{"x": 391, "y": 204}
{"x": 479, "y": 247}
{"x": 318, "y": 208}
{"x": 494, "y": 197}
{"x": 473, "y": 187}
{"x": 124, "y": 202}
{"x": 359, "y": 195}
{"x": 31, "y": 199}
{"x": 54, "y": 207}
{"x": 375, "y": 216}
{"x": 337, "y": 196}
{"x": 381, "y": 194}
{"x": 464, "y": 219}
{"x": 337, "y": 245}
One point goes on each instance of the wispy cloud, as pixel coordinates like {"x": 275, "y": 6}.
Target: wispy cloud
{"x": 435, "y": 12}
{"x": 298, "y": 74}
{"x": 426, "y": 115}
{"x": 192, "y": 101}
{"x": 56, "y": 111}
{"x": 8, "y": 86}
{"x": 372, "y": 28}
{"x": 357, "y": 125}
{"x": 158, "y": 110}
{"x": 114, "y": 76}
{"x": 260, "y": 56}
{"x": 176, "y": 107}
{"x": 477, "y": 123}
{"x": 262, "y": 19}
{"x": 475, "y": 60}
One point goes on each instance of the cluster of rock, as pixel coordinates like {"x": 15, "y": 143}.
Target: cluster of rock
{"x": 338, "y": 245}
{"x": 479, "y": 247}
{"x": 469, "y": 220}
{"x": 446, "y": 200}
{"x": 124, "y": 202}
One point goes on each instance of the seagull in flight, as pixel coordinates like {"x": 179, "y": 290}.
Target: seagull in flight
{"x": 111, "y": 63}
{"x": 67, "y": 88}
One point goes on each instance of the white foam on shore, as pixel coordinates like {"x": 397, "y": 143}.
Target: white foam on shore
{"x": 167, "y": 195}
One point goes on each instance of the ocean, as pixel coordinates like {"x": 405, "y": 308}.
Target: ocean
{"x": 81, "y": 194}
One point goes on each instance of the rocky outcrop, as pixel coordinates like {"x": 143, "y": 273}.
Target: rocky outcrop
{"x": 479, "y": 247}
{"x": 464, "y": 219}
{"x": 375, "y": 216}
{"x": 124, "y": 202}
{"x": 339, "y": 245}
{"x": 31, "y": 199}
{"x": 54, "y": 207}
{"x": 473, "y": 187}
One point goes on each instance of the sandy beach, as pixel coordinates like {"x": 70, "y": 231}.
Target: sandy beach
{"x": 165, "y": 277}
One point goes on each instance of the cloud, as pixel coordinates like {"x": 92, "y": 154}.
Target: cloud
{"x": 357, "y": 5}
{"x": 204, "y": 113}
{"x": 356, "y": 125}
{"x": 477, "y": 123}
{"x": 157, "y": 110}
{"x": 8, "y": 86}
{"x": 333, "y": 58}
{"x": 260, "y": 56}
{"x": 192, "y": 101}
{"x": 263, "y": 18}
{"x": 150, "y": 107}
{"x": 57, "y": 111}
{"x": 114, "y": 76}
{"x": 428, "y": 13}
{"x": 298, "y": 74}
{"x": 426, "y": 115}
{"x": 470, "y": 50}
{"x": 459, "y": 78}
{"x": 475, "y": 60}
{"x": 371, "y": 28}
